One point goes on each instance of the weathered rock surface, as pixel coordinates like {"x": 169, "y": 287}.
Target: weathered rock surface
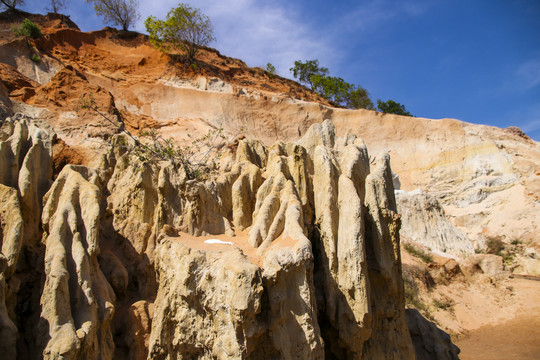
{"x": 312, "y": 269}
{"x": 77, "y": 302}
{"x": 11, "y": 239}
{"x": 26, "y": 165}
{"x": 424, "y": 221}
{"x": 352, "y": 300}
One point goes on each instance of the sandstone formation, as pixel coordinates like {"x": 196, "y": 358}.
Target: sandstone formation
{"x": 424, "y": 221}
{"x": 310, "y": 269}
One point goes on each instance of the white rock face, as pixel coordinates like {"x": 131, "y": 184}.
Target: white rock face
{"x": 423, "y": 220}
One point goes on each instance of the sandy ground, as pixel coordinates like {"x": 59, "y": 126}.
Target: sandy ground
{"x": 517, "y": 338}
{"x": 240, "y": 241}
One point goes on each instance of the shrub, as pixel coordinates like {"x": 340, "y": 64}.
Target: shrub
{"x": 334, "y": 89}
{"x": 35, "y": 58}
{"x": 417, "y": 252}
{"x": 185, "y": 28}
{"x": 270, "y": 70}
{"x": 27, "y": 29}
{"x": 392, "y": 107}
{"x": 412, "y": 296}
{"x": 443, "y": 304}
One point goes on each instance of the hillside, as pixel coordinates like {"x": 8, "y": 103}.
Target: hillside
{"x": 304, "y": 194}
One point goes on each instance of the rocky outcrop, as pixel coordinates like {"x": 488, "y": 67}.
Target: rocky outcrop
{"x": 11, "y": 239}
{"x": 26, "y": 165}
{"x": 77, "y": 302}
{"x": 309, "y": 267}
{"x": 25, "y": 173}
{"x": 325, "y": 247}
{"x": 424, "y": 221}
{"x": 320, "y": 243}
{"x": 206, "y": 305}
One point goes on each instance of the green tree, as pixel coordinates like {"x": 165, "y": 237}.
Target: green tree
{"x": 334, "y": 89}
{"x": 117, "y": 12}
{"x": 11, "y": 4}
{"x": 341, "y": 93}
{"x": 358, "y": 98}
{"x": 271, "y": 69}
{"x": 185, "y": 28}
{"x": 304, "y": 72}
{"x": 392, "y": 107}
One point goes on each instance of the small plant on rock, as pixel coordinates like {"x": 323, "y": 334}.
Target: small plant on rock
{"x": 27, "y": 29}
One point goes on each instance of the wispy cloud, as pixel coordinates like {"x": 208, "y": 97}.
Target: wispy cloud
{"x": 374, "y": 14}
{"x": 528, "y": 74}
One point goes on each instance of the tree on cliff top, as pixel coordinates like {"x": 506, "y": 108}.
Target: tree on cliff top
{"x": 304, "y": 72}
{"x": 185, "y": 28}
{"x": 118, "y": 12}
{"x": 11, "y": 4}
{"x": 334, "y": 89}
{"x": 392, "y": 107}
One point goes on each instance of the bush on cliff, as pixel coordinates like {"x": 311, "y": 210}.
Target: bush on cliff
{"x": 185, "y": 28}
{"x": 27, "y": 29}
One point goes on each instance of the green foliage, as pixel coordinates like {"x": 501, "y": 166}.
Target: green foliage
{"x": 419, "y": 253}
{"x": 35, "y": 58}
{"x": 304, "y": 72}
{"x": 27, "y": 29}
{"x": 271, "y": 68}
{"x": 392, "y": 107}
{"x": 341, "y": 93}
{"x": 117, "y": 12}
{"x": 152, "y": 147}
{"x": 11, "y": 4}
{"x": 358, "y": 98}
{"x": 334, "y": 89}
{"x": 185, "y": 28}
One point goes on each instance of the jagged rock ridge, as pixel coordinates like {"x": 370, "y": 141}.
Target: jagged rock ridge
{"x": 313, "y": 270}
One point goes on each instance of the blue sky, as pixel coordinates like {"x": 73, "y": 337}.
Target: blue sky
{"x": 473, "y": 60}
